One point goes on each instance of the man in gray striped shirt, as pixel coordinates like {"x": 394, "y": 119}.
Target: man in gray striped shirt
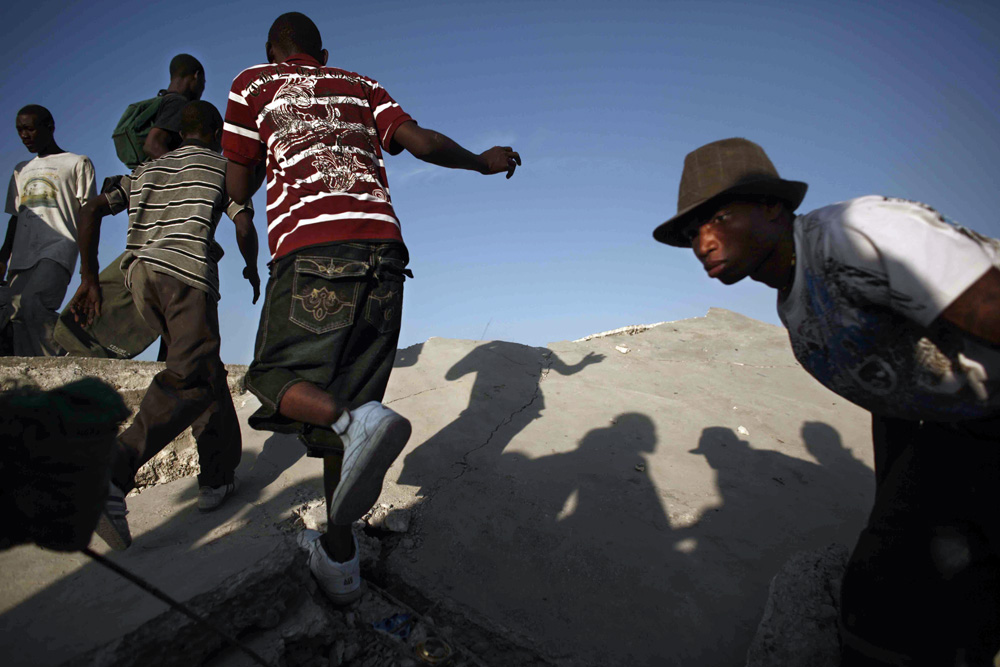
{"x": 171, "y": 268}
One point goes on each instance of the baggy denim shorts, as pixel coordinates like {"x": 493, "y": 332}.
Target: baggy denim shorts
{"x": 331, "y": 317}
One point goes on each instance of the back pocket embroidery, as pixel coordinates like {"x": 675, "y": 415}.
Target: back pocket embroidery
{"x": 325, "y": 292}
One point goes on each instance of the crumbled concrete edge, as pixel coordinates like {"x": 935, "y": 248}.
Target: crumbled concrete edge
{"x": 799, "y": 627}
{"x": 130, "y": 379}
{"x": 620, "y": 331}
{"x": 255, "y": 599}
{"x": 275, "y": 609}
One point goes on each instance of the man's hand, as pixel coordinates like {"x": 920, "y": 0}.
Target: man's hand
{"x": 500, "y": 159}
{"x": 86, "y": 303}
{"x": 250, "y": 273}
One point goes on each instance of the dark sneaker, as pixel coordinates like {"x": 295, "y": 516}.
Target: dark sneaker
{"x": 112, "y": 527}
{"x": 372, "y": 441}
{"x": 211, "y": 497}
{"x": 341, "y": 582}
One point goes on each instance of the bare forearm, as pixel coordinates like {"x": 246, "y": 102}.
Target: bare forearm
{"x": 445, "y": 152}
{"x": 434, "y": 147}
{"x": 246, "y": 239}
{"x": 89, "y": 236}
{"x": 977, "y": 310}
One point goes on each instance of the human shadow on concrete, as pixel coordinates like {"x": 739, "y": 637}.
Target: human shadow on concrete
{"x": 578, "y": 549}
{"x": 505, "y": 397}
{"x": 185, "y": 554}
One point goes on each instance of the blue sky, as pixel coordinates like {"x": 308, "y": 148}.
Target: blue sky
{"x": 602, "y": 100}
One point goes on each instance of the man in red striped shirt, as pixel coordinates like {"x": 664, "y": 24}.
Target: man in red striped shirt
{"x": 331, "y": 316}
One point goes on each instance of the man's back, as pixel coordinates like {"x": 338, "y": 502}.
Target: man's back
{"x": 174, "y": 204}
{"x": 323, "y": 130}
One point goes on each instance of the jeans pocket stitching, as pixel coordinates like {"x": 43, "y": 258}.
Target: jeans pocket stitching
{"x": 333, "y": 297}
{"x": 389, "y": 320}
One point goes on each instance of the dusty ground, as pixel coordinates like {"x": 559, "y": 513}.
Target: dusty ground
{"x": 622, "y": 500}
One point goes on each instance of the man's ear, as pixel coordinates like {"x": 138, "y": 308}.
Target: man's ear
{"x": 324, "y": 55}
{"x": 218, "y": 136}
{"x": 269, "y": 52}
{"x": 773, "y": 210}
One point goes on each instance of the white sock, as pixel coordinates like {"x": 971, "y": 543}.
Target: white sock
{"x": 340, "y": 426}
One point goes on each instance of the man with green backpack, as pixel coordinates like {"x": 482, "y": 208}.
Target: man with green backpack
{"x": 151, "y": 128}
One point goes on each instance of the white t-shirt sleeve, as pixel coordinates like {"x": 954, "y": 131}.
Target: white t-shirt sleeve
{"x": 13, "y": 199}
{"x": 86, "y": 185}
{"x": 926, "y": 262}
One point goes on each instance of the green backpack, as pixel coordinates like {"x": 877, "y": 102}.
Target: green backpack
{"x": 131, "y": 131}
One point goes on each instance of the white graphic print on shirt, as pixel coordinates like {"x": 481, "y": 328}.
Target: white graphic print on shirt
{"x": 873, "y": 274}
{"x": 342, "y": 153}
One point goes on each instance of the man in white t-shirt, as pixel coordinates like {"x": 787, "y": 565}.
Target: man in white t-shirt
{"x": 896, "y": 309}
{"x": 39, "y": 251}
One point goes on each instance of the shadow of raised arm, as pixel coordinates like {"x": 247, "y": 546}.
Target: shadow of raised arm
{"x": 563, "y": 368}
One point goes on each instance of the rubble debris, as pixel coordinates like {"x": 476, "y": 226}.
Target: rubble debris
{"x": 742, "y": 430}
{"x": 622, "y": 349}
{"x": 799, "y": 625}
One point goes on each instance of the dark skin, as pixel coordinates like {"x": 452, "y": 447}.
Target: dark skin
{"x": 742, "y": 239}
{"x": 38, "y": 137}
{"x": 86, "y": 303}
{"x": 304, "y": 401}
{"x": 158, "y": 141}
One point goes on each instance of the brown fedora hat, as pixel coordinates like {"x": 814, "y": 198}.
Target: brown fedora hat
{"x": 722, "y": 169}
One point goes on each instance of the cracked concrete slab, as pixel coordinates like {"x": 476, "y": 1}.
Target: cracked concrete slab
{"x": 607, "y": 506}
{"x": 570, "y": 505}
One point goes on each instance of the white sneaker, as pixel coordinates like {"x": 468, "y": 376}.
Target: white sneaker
{"x": 341, "y": 582}
{"x": 211, "y": 498}
{"x": 372, "y": 440}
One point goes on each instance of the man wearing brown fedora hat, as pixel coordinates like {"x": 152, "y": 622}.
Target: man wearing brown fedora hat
{"x": 896, "y": 309}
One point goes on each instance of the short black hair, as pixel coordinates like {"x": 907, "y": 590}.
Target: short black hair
{"x": 184, "y": 65}
{"x": 296, "y": 33}
{"x": 40, "y": 113}
{"x": 200, "y": 117}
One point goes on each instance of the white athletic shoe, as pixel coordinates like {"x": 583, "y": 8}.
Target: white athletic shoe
{"x": 211, "y": 497}
{"x": 372, "y": 440}
{"x": 341, "y": 582}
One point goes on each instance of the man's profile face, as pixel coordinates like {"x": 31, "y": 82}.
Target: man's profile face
{"x": 733, "y": 240}
{"x": 197, "y": 85}
{"x": 34, "y": 134}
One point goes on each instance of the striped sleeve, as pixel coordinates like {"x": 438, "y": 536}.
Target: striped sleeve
{"x": 118, "y": 194}
{"x": 233, "y": 209}
{"x": 241, "y": 141}
{"x": 388, "y": 116}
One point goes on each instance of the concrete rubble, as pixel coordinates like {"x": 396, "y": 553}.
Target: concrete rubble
{"x": 568, "y": 505}
{"x": 799, "y": 626}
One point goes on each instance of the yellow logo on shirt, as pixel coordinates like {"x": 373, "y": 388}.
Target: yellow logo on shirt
{"x": 39, "y": 192}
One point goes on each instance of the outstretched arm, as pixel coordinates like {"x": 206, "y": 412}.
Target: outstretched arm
{"x": 86, "y": 303}
{"x": 436, "y": 148}
{"x": 977, "y": 310}
{"x": 561, "y": 367}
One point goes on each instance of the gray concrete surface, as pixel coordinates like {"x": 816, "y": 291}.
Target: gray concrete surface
{"x": 623, "y": 500}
